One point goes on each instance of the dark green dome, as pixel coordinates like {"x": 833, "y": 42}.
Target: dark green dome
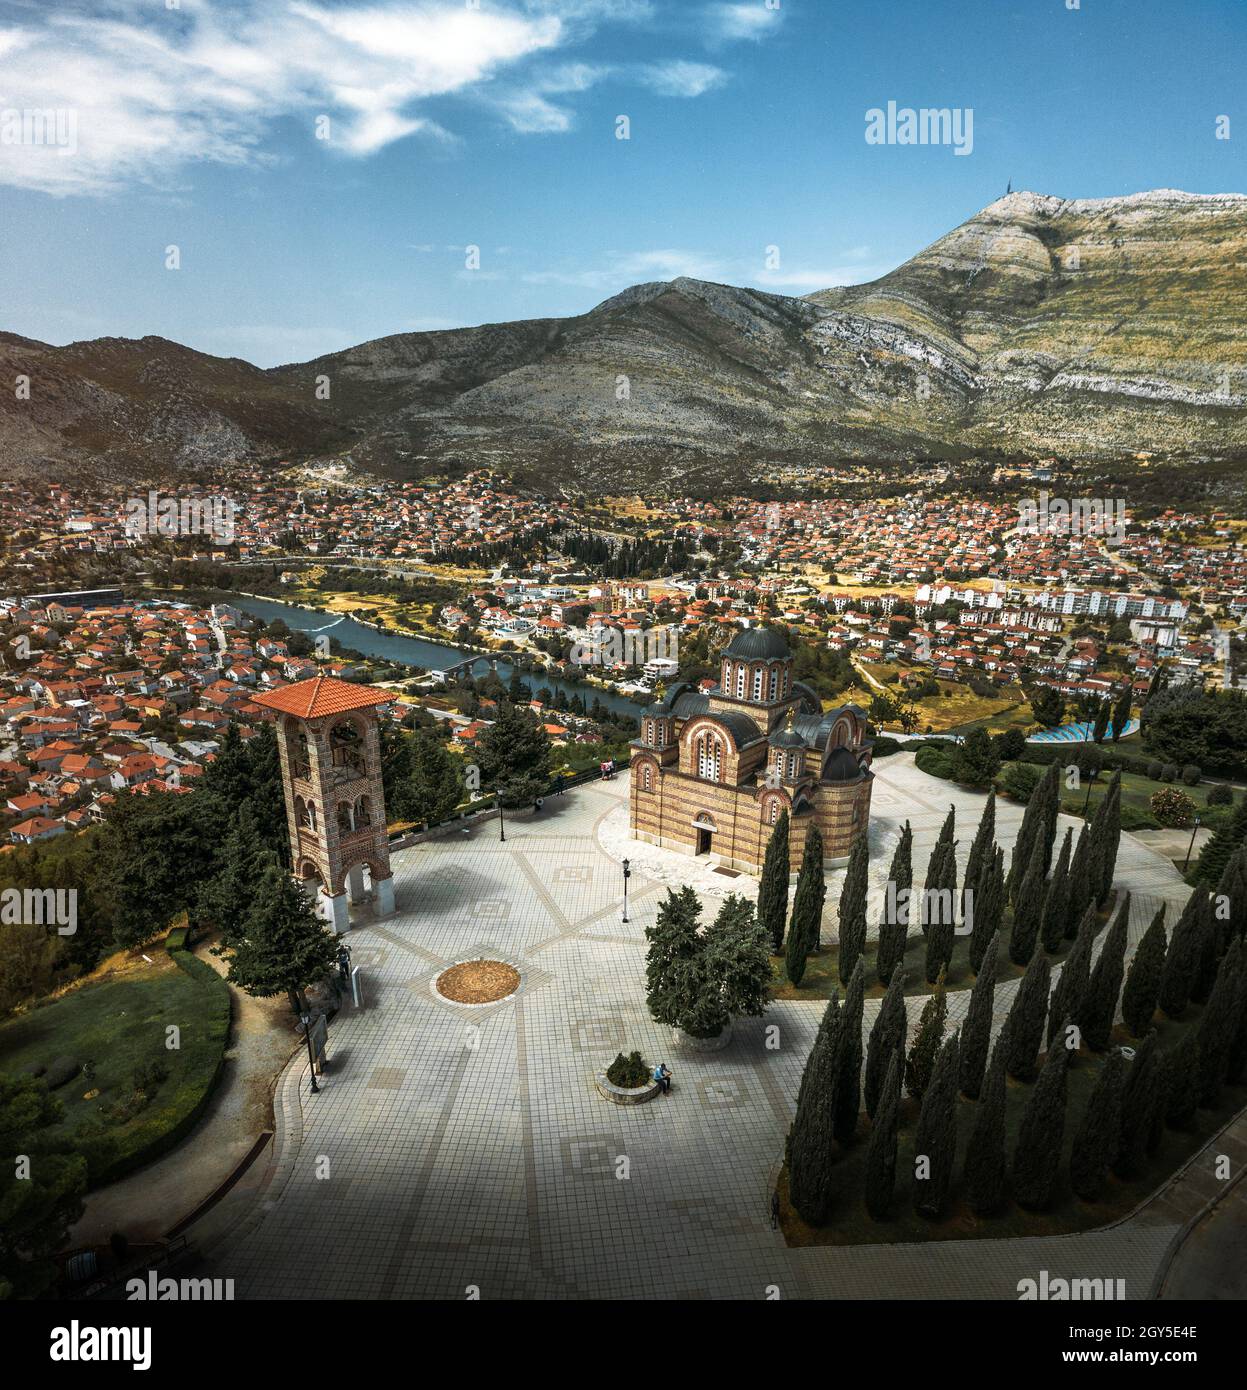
{"x": 758, "y": 644}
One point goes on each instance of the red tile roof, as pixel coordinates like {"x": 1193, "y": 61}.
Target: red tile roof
{"x": 321, "y": 695}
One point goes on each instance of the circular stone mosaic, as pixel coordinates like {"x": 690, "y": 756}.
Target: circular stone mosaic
{"x": 477, "y": 981}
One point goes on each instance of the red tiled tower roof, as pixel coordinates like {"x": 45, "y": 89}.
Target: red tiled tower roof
{"x": 321, "y": 695}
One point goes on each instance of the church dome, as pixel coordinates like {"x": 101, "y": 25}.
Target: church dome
{"x": 841, "y": 766}
{"x": 758, "y": 644}
{"x": 786, "y": 737}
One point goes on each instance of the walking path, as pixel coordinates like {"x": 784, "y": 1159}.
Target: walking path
{"x": 455, "y": 1148}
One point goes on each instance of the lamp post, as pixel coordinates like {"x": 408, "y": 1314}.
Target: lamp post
{"x": 1190, "y": 846}
{"x": 627, "y": 873}
{"x": 1092, "y": 773}
{"x": 311, "y": 1056}
{"x": 502, "y": 829}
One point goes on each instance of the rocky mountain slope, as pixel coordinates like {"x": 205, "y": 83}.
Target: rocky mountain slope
{"x": 1084, "y": 329}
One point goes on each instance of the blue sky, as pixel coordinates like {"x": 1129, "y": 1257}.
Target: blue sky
{"x": 453, "y": 124}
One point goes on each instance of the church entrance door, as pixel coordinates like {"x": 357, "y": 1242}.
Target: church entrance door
{"x": 703, "y": 839}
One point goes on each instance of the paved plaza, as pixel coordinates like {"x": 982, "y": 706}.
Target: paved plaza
{"x": 457, "y": 1148}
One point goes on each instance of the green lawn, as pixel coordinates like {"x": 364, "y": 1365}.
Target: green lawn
{"x": 119, "y": 1027}
{"x": 849, "y": 1223}
{"x": 1136, "y": 796}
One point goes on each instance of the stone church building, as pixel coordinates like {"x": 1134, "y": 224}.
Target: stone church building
{"x": 712, "y": 772}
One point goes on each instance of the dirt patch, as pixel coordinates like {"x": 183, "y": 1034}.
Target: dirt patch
{"x": 478, "y": 981}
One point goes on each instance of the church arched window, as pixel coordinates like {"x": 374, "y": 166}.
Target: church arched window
{"x": 647, "y": 778}
{"x": 757, "y": 683}
{"x": 774, "y": 683}
{"x": 709, "y": 757}
{"x": 740, "y": 680}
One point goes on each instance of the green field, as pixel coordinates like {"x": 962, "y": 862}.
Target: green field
{"x": 119, "y": 1027}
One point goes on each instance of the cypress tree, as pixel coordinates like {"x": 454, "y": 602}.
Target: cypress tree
{"x": 1071, "y": 987}
{"x": 1025, "y": 1022}
{"x": 976, "y": 1032}
{"x": 1100, "y": 727}
{"x": 1139, "y": 1103}
{"x": 1186, "y": 945}
{"x": 986, "y": 1170}
{"x": 939, "y": 915}
{"x": 810, "y": 1178}
{"x": 1212, "y": 947}
{"x": 1111, "y": 837}
{"x": 989, "y": 902}
{"x": 1138, "y": 1000}
{"x": 1100, "y": 1002}
{"x": 1080, "y": 890}
{"x": 1095, "y": 1144}
{"x": 807, "y": 907}
{"x": 1037, "y": 1156}
{"x": 1050, "y": 807}
{"x": 1034, "y": 820}
{"x": 1217, "y": 1025}
{"x": 935, "y": 1139}
{"x": 935, "y": 865}
{"x": 887, "y": 1035}
{"x": 1180, "y": 1071}
{"x": 894, "y": 923}
{"x": 849, "y": 1079}
{"x": 773, "y": 887}
{"x": 980, "y": 848}
{"x": 1236, "y": 1061}
{"x": 1221, "y": 848}
{"x": 1052, "y": 926}
{"x": 1230, "y": 898}
{"x": 1028, "y": 908}
{"x": 1121, "y": 712}
{"x": 853, "y": 908}
{"x": 921, "y": 1060}
{"x": 881, "y": 1153}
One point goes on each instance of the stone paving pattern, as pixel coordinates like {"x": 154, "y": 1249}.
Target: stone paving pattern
{"x": 456, "y": 1148}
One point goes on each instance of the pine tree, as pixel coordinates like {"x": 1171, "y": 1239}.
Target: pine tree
{"x": 282, "y": 946}
{"x": 894, "y": 922}
{"x": 737, "y": 962}
{"x": 773, "y": 887}
{"x": 514, "y": 755}
{"x": 1028, "y": 908}
{"x": 1052, "y": 927}
{"x": 1037, "y": 1155}
{"x": 678, "y": 984}
{"x": 1186, "y": 945}
{"x": 810, "y": 1167}
{"x": 807, "y": 908}
{"x": 1225, "y": 841}
{"x": 976, "y": 1032}
{"x": 226, "y": 898}
{"x": 1138, "y": 1000}
{"x": 1025, "y": 1023}
{"x": 1121, "y": 712}
{"x": 887, "y": 1036}
{"x": 926, "y": 1045}
{"x": 989, "y": 902}
{"x": 1139, "y": 1102}
{"x": 1081, "y": 891}
{"x": 935, "y": 1139}
{"x": 1100, "y": 1001}
{"x": 849, "y": 1079}
{"x": 977, "y": 760}
{"x": 986, "y": 1168}
{"x": 1217, "y": 1026}
{"x": 1070, "y": 994}
{"x": 981, "y": 847}
{"x": 881, "y": 1153}
{"x": 853, "y": 908}
{"x": 1095, "y": 1144}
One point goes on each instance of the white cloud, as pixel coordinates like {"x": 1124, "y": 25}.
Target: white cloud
{"x": 745, "y": 19}
{"x": 148, "y": 96}
{"x": 678, "y": 78}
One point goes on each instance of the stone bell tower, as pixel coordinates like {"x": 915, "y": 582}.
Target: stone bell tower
{"x": 330, "y": 746}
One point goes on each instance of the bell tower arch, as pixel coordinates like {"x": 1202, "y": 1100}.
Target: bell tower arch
{"x": 329, "y": 742}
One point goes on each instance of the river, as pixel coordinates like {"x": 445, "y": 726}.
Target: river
{"x": 416, "y": 651}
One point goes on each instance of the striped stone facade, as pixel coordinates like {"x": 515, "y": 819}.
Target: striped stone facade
{"x": 711, "y": 772}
